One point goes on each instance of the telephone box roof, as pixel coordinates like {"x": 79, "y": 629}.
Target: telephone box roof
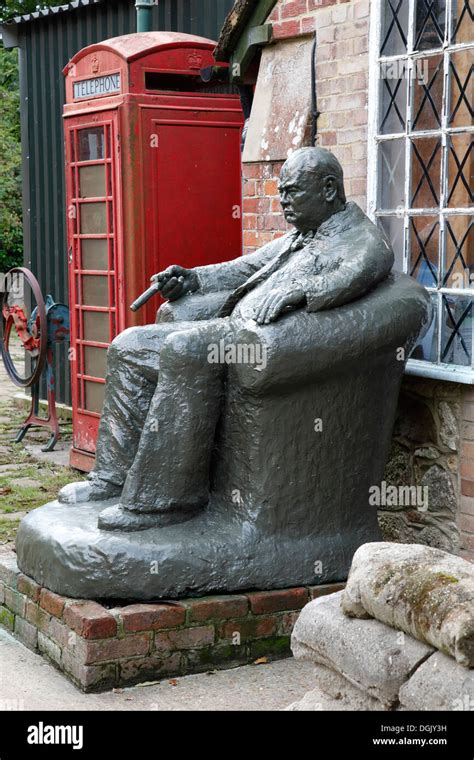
{"x": 133, "y": 46}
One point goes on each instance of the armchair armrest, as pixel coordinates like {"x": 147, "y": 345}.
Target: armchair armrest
{"x": 302, "y": 346}
{"x": 192, "y": 306}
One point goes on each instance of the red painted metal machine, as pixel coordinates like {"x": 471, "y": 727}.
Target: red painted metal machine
{"x": 47, "y": 325}
{"x": 153, "y": 178}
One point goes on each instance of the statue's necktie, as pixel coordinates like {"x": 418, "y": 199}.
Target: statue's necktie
{"x": 264, "y": 273}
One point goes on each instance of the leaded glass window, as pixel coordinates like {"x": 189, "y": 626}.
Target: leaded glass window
{"x": 421, "y": 163}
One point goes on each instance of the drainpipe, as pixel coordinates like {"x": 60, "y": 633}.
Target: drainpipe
{"x": 144, "y": 14}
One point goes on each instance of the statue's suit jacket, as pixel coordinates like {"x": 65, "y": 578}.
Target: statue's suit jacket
{"x": 346, "y": 256}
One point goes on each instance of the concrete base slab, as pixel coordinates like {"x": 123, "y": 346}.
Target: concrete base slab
{"x": 62, "y": 548}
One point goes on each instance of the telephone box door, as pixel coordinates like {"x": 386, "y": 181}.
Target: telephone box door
{"x": 94, "y": 243}
{"x": 193, "y": 177}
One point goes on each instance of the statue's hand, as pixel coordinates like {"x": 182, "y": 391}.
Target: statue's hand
{"x": 275, "y": 302}
{"x": 174, "y": 281}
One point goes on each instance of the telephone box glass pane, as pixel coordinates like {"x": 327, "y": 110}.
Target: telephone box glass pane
{"x": 109, "y": 180}
{"x": 94, "y": 254}
{"x": 90, "y": 143}
{"x": 95, "y": 361}
{"x": 95, "y": 290}
{"x": 93, "y": 218}
{"x": 92, "y": 181}
{"x": 96, "y": 326}
{"x": 94, "y": 396}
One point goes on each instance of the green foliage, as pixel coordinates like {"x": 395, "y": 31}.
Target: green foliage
{"x": 10, "y": 8}
{"x": 11, "y": 233}
{"x": 11, "y": 228}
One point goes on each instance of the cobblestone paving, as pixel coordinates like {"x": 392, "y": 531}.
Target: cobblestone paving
{"x": 28, "y": 476}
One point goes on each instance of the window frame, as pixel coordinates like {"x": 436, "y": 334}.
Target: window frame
{"x": 421, "y": 368}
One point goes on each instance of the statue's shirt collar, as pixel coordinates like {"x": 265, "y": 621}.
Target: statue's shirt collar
{"x": 300, "y": 239}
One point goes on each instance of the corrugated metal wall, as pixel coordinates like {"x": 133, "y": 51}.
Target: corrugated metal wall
{"x": 46, "y": 45}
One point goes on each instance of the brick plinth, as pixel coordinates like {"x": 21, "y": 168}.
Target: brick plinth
{"x": 99, "y": 647}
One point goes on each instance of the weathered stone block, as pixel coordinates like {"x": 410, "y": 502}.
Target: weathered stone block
{"x": 325, "y": 588}
{"x": 334, "y": 692}
{"x": 441, "y": 495}
{"x": 147, "y": 617}
{"x": 215, "y": 608}
{"x": 37, "y": 617}
{"x": 415, "y": 422}
{"x": 286, "y": 622}
{"x": 90, "y": 620}
{"x": 49, "y": 648}
{"x": 277, "y": 601}
{"x": 372, "y": 656}
{"x": 439, "y": 684}
{"x": 237, "y": 631}
{"x": 90, "y": 652}
{"x": 9, "y": 570}
{"x": 273, "y": 647}
{"x": 15, "y": 601}
{"x": 7, "y": 618}
{"x": 26, "y": 632}
{"x": 52, "y": 603}
{"x": 60, "y": 633}
{"x": 425, "y": 592}
{"x": 215, "y": 657}
{"x": 448, "y": 431}
{"x": 29, "y": 587}
{"x": 151, "y": 668}
{"x": 89, "y": 677}
{"x": 186, "y": 638}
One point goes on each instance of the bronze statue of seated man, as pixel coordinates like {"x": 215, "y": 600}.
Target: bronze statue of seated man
{"x": 220, "y": 468}
{"x": 163, "y": 396}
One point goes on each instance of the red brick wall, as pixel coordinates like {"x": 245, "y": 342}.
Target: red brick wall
{"x": 342, "y": 81}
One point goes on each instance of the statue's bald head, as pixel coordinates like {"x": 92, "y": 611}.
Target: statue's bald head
{"x": 311, "y": 187}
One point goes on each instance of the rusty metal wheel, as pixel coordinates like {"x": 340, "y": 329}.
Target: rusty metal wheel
{"x": 32, "y": 331}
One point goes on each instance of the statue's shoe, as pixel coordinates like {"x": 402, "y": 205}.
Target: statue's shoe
{"x": 88, "y": 490}
{"x": 118, "y": 517}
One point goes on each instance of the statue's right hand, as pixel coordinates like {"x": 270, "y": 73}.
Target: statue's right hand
{"x": 174, "y": 281}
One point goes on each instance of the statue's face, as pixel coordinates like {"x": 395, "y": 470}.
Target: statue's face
{"x": 306, "y": 200}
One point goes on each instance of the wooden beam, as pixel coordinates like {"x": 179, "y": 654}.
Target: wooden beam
{"x": 254, "y": 34}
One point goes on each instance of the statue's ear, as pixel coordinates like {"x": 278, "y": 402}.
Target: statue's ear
{"x": 330, "y": 188}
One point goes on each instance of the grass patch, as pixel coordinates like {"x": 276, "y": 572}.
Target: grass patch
{"x": 19, "y": 497}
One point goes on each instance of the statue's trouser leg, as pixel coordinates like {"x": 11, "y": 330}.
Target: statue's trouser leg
{"x": 132, "y": 374}
{"x": 171, "y": 468}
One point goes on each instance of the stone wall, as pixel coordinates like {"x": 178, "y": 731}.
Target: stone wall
{"x": 433, "y": 448}
{"x": 425, "y": 454}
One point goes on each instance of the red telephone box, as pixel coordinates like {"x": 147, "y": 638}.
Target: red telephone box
{"x": 153, "y": 178}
